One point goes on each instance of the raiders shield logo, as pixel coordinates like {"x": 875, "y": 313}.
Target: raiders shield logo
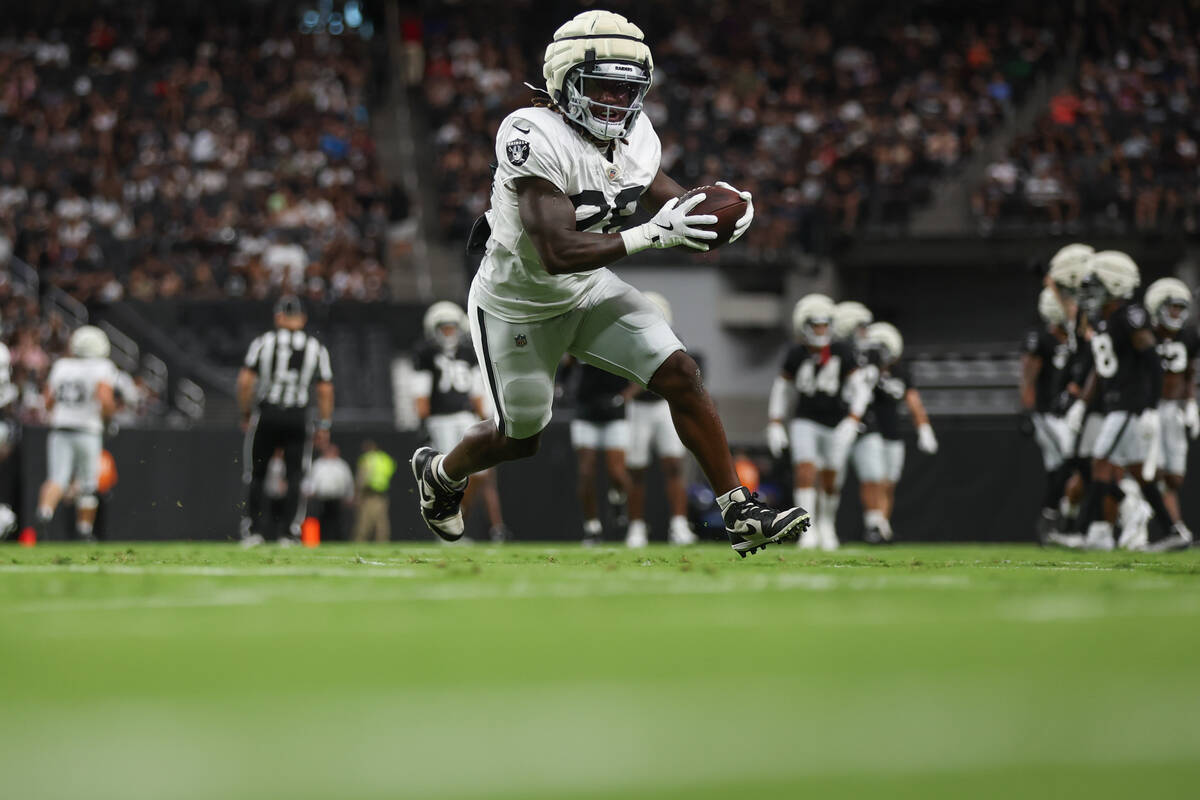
{"x": 518, "y": 152}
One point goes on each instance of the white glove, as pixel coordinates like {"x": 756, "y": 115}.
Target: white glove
{"x": 673, "y": 225}
{"x": 843, "y": 439}
{"x": 747, "y": 218}
{"x": 926, "y": 441}
{"x": 1074, "y": 416}
{"x": 777, "y": 438}
{"x": 1151, "y": 430}
{"x": 1191, "y": 418}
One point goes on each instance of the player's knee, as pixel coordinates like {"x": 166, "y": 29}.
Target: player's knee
{"x": 1174, "y": 482}
{"x": 806, "y": 475}
{"x": 87, "y": 502}
{"x": 677, "y": 377}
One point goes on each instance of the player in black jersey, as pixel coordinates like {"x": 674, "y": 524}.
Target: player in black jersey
{"x": 449, "y": 397}
{"x": 1169, "y": 303}
{"x": 879, "y": 452}
{"x": 273, "y": 397}
{"x": 827, "y": 413}
{"x": 1044, "y": 360}
{"x": 1127, "y": 375}
{"x": 600, "y": 427}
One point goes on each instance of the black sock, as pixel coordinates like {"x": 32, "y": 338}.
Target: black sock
{"x": 1055, "y": 481}
{"x": 1154, "y": 497}
{"x": 1093, "y": 504}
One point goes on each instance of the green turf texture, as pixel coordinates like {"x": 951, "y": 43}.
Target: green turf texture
{"x": 204, "y": 671}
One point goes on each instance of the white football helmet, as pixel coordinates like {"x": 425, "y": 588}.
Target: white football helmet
{"x": 1169, "y": 301}
{"x": 1069, "y": 266}
{"x": 812, "y": 310}
{"x": 885, "y": 336}
{"x": 849, "y": 318}
{"x": 594, "y": 48}
{"x": 663, "y": 305}
{"x": 444, "y": 313}
{"x": 1049, "y": 309}
{"x": 1113, "y": 276}
{"x": 88, "y": 341}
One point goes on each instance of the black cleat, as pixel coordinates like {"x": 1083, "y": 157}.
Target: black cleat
{"x": 752, "y": 526}
{"x": 440, "y": 504}
{"x": 1049, "y": 522}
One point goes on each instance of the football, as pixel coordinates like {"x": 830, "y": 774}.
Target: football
{"x": 726, "y": 205}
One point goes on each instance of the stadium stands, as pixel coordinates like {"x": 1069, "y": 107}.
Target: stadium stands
{"x": 1116, "y": 150}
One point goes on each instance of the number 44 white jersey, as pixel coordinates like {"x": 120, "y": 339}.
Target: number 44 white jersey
{"x": 73, "y": 383}
{"x": 512, "y": 283}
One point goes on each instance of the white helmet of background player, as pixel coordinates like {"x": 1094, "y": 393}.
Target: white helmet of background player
{"x": 438, "y": 318}
{"x": 88, "y": 341}
{"x": 1169, "y": 301}
{"x": 1049, "y": 309}
{"x": 850, "y": 318}
{"x": 663, "y": 305}
{"x": 1069, "y": 266}
{"x": 596, "y": 47}
{"x": 884, "y": 336}
{"x": 811, "y": 311}
{"x": 1112, "y": 276}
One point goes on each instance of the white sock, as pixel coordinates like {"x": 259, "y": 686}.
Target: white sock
{"x": 680, "y": 522}
{"x": 446, "y": 479}
{"x": 805, "y": 498}
{"x": 827, "y": 509}
{"x": 592, "y": 526}
{"x": 45, "y": 513}
{"x": 873, "y": 518}
{"x": 83, "y": 528}
{"x": 729, "y": 497}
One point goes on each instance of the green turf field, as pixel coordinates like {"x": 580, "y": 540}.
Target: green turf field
{"x": 192, "y": 671}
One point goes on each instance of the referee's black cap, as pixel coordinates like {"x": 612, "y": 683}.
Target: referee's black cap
{"x": 289, "y": 304}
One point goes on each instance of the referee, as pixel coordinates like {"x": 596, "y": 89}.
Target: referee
{"x": 273, "y": 397}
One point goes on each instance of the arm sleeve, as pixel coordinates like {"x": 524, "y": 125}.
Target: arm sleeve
{"x": 251, "y": 361}
{"x": 781, "y": 392}
{"x": 422, "y": 383}
{"x": 860, "y": 389}
{"x": 524, "y": 149}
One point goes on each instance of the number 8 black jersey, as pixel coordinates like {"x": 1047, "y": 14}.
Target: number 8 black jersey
{"x": 454, "y": 377}
{"x": 1123, "y": 386}
{"x": 819, "y": 378}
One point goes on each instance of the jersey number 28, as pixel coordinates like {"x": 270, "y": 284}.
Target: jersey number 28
{"x": 624, "y": 204}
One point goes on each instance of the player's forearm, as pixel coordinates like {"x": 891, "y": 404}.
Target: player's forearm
{"x": 422, "y": 407}
{"x": 1030, "y": 367}
{"x": 245, "y": 392}
{"x": 563, "y": 252}
{"x": 325, "y": 404}
{"x": 915, "y": 407}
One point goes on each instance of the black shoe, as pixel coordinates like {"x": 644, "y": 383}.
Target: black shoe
{"x": 873, "y": 535}
{"x": 1049, "y": 522}
{"x": 752, "y": 525}
{"x": 1180, "y": 538}
{"x": 440, "y": 504}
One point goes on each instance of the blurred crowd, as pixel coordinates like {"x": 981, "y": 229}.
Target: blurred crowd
{"x": 1116, "y": 150}
{"x": 143, "y": 155}
{"x": 832, "y": 116}
{"x": 35, "y": 340}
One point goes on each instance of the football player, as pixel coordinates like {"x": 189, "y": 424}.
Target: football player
{"x": 79, "y": 396}
{"x": 1127, "y": 374}
{"x": 650, "y": 429}
{"x": 8, "y": 434}
{"x": 569, "y": 174}
{"x": 850, "y": 321}
{"x": 879, "y": 453}
{"x": 600, "y": 430}
{"x": 1169, "y": 303}
{"x": 448, "y": 392}
{"x": 1044, "y": 360}
{"x": 828, "y": 411}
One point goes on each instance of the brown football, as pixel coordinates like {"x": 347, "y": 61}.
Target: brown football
{"x": 722, "y": 203}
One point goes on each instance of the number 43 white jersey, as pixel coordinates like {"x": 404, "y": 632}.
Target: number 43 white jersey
{"x": 73, "y": 383}
{"x": 536, "y": 142}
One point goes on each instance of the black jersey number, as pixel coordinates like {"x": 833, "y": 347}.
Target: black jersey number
{"x": 1174, "y": 356}
{"x": 71, "y": 393}
{"x": 624, "y": 204}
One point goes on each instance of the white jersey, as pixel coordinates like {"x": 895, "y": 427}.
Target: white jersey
{"x": 73, "y": 383}
{"x": 512, "y": 283}
{"x": 8, "y": 392}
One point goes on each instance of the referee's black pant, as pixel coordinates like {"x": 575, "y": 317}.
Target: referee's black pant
{"x": 268, "y": 433}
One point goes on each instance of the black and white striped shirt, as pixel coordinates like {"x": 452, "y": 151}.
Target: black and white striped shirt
{"x": 287, "y": 362}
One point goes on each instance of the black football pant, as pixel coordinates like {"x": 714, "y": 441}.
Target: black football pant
{"x": 263, "y": 439}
